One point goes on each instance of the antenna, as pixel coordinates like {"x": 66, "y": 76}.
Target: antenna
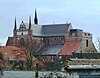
{"x": 53, "y": 21}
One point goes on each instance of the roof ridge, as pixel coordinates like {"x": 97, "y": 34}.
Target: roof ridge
{"x": 55, "y": 24}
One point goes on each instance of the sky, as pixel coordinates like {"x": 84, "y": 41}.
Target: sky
{"x": 82, "y": 14}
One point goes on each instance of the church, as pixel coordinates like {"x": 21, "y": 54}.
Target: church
{"x": 52, "y": 39}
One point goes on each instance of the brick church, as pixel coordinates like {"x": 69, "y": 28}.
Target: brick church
{"x": 53, "y": 39}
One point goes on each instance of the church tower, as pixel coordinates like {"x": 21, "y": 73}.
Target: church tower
{"x": 35, "y": 19}
{"x": 30, "y": 25}
{"x": 30, "y": 22}
{"x": 15, "y": 28}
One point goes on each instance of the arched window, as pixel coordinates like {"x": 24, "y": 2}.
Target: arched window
{"x": 22, "y": 42}
{"x": 87, "y": 43}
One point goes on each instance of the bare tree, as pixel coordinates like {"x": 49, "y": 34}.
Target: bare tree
{"x": 30, "y": 49}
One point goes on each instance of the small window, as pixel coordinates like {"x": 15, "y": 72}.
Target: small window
{"x": 88, "y": 34}
{"x": 85, "y": 34}
{"x": 55, "y": 40}
{"x": 62, "y": 40}
{"x": 87, "y": 43}
{"x": 22, "y": 42}
{"x": 22, "y": 33}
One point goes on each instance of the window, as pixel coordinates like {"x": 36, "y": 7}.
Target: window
{"x": 22, "y": 42}
{"x": 47, "y": 41}
{"x": 62, "y": 40}
{"x": 55, "y": 40}
{"x": 85, "y": 34}
{"x": 86, "y": 43}
{"x": 12, "y": 62}
{"x": 88, "y": 34}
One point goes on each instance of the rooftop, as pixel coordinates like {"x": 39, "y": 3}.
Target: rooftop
{"x": 49, "y": 30}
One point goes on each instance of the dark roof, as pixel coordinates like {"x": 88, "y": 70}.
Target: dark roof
{"x": 9, "y": 41}
{"x": 49, "y": 30}
{"x": 55, "y": 29}
{"x": 50, "y": 50}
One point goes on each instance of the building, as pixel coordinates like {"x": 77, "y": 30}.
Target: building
{"x": 14, "y": 56}
{"x": 52, "y": 40}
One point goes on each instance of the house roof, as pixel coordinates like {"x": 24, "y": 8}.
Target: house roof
{"x": 70, "y": 47}
{"x": 67, "y": 49}
{"x": 49, "y": 30}
{"x": 12, "y": 52}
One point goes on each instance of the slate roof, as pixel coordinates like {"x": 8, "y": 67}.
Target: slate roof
{"x": 50, "y": 50}
{"x": 67, "y": 49}
{"x": 49, "y": 30}
{"x": 59, "y": 29}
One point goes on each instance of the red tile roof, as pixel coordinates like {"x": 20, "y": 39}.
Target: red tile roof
{"x": 70, "y": 47}
{"x": 12, "y": 52}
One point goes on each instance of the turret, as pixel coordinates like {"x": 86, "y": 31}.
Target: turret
{"x": 35, "y": 19}
{"x": 15, "y": 28}
{"x": 30, "y": 22}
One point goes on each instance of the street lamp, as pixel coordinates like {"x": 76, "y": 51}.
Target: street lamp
{"x": 36, "y": 73}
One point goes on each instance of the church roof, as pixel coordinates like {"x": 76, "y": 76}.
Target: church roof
{"x": 59, "y": 29}
{"x": 9, "y": 41}
{"x": 67, "y": 49}
{"x": 49, "y": 30}
{"x": 50, "y": 50}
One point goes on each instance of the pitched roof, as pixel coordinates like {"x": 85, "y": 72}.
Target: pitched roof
{"x": 70, "y": 47}
{"x": 59, "y": 29}
{"x": 12, "y": 52}
{"x": 50, "y": 50}
{"x": 9, "y": 41}
{"x": 49, "y": 30}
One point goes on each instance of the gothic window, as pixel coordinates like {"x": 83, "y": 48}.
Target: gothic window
{"x": 22, "y": 33}
{"x": 87, "y": 43}
{"x": 22, "y": 42}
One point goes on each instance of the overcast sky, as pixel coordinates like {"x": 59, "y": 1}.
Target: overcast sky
{"x": 83, "y": 14}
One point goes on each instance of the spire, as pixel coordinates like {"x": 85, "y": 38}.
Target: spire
{"x": 15, "y": 27}
{"x": 30, "y": 22}
{"x": 35, "y": 19}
